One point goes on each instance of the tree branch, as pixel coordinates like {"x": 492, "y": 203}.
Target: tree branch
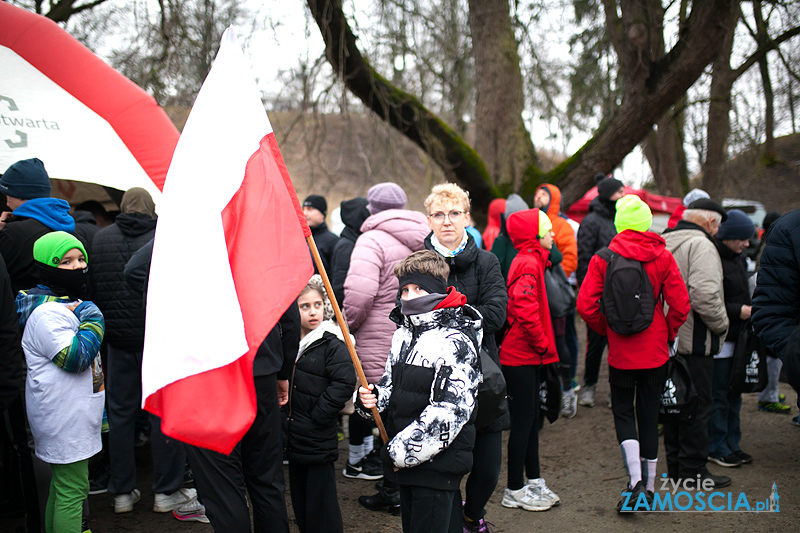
{"x": 763, "y": 49}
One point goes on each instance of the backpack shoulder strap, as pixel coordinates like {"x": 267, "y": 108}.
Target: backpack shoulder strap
{"x": 605, "y": 254}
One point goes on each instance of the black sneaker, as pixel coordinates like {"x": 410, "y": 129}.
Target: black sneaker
{"x": 729, "y": 461}
{"x": 745, "y": 458}
{"x": 99, "y": 483}
{"x": 628, "y": 503}
{"x": 363, "y": 470}
{"x": 719, "y": 481}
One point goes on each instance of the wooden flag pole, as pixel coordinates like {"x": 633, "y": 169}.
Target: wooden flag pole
{"x": 362, "y": 378}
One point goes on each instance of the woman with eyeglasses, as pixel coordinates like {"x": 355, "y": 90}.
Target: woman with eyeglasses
{"x": 476, "y": 274}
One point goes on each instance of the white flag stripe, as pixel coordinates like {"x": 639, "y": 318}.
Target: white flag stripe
{"x": 194, "y": 321}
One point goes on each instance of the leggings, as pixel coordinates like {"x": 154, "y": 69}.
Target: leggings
{"x": 360, "y": 428}
{"x": 646, "y": 398}
{"x": 522, "y": 383}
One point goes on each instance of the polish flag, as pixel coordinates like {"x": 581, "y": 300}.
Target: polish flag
{"x": 229, "y": 258}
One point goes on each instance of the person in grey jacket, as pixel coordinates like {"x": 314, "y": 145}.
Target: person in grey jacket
{"x": 701, "y": 336}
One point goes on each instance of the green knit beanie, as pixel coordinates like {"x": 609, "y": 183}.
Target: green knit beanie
{"x": 50, "y": 248}
{"x": 544, "y": 224}
{"x": 632, "y": 213}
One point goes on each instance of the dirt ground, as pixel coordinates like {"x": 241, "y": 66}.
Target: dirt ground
{"x": 581, "y": 462}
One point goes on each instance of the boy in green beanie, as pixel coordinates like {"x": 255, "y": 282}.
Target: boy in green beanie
{"x": 64, "y": 392}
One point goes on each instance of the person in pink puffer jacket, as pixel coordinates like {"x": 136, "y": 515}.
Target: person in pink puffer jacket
{"x": 389, "y": 235}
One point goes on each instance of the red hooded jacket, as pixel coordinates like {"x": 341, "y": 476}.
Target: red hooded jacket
{"x": 530, "y": 339}
{"x": 648, "y": 348}
{"x": 496, "y": 208}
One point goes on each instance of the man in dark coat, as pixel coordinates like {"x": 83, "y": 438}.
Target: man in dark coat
{"x": 354, "y": 212}
{"x": 776, "y": 301}
{"x": 255, "y": 466}
{"x": 27, "y": 188}
{"x": 596, "y": 231}
{"x": 315, "y": 208}
{"x": 12, "y": 369}
{"x": 124, "y": 314}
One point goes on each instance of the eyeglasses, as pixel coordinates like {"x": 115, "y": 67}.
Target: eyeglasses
{"x": 454, "y": 216}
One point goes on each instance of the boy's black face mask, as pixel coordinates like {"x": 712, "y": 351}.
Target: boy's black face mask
{"x": 72, "y": 283}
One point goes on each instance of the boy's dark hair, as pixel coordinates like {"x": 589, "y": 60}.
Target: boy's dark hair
{"x": 425, "y": 262}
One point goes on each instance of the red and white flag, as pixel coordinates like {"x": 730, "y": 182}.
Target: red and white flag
{"x": 229, "y": 258}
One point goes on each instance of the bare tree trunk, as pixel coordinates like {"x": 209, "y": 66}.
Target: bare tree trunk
{"x": 501, "y": 138}
{"x": 762, "y": 37}
{"x": 719, "y": 122}
{"x": 663, "y": 148}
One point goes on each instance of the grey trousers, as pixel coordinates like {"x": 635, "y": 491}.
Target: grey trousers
{"x": 770, "y": 394}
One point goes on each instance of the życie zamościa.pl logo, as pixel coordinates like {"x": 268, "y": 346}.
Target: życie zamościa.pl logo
{"x": 696, "y": 495}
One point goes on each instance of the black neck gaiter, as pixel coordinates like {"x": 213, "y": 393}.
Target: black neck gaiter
{"x": 72, "y": 283}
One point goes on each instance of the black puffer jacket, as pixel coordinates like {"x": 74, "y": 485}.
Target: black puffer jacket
{"x": 354, "y": 213}
{"x": 16, "y": 247}
{"x": 322, "y": 381}
{"x": 325, "y": 241}
{"x": 12, "y": 367}
{"x": 735, "y": 287}
{"x": 476, "y": 274}
{"x": 85, "y": 229}
{"x": 776, "y": 302}
{"x": 122, "y": 307}
{"x": 596, "y": 231}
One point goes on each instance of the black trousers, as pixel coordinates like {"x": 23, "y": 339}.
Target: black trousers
{"x": 314, "y": 499}
{"x": 646, "y": 397}
{"x": 596, "y": 343}
{"x": 487, "y": 458}
{"x": 426, "y": 510}
{"x": 522, "y": 383}
{"x": 255, "y": 467}
{"x": 687, "y": 445}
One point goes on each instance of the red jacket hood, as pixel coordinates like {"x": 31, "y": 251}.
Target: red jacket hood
{"x": 523, "y": 228}
{"x": 554, "y": 208}
{"x": 453, "y": 299}
{"x": 496, "y": 208}
{"x": 642, "y": 246}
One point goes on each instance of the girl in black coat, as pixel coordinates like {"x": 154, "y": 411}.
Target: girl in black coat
{"x": 724, "y": 429}
{"x": 323, "y": 379}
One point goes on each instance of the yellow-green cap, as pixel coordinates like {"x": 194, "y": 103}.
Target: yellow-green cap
{"x": 50, "y": 248}
{"x": 632, "y": 213}
{"x": 544, "y": 224}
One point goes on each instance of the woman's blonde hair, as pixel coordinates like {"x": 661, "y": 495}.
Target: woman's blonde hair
{"x": 447, "y": 192}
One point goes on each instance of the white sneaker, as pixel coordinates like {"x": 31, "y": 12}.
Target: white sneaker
{"x": 569, "y": 403}
{"x": 537, "y": 485}
{"x": 123, "y": 503}
{"x": 587, "y": 396}
{"x": 193, "y": 511}
{"x": 165, "y": 503}
{"x": 525, "y": 498}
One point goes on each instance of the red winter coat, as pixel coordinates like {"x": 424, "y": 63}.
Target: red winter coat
{"x": 648, "y": 348}
{"x": 530, "y": 339}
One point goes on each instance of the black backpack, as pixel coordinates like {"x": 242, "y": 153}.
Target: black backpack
{"x": 627, "y": 302}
